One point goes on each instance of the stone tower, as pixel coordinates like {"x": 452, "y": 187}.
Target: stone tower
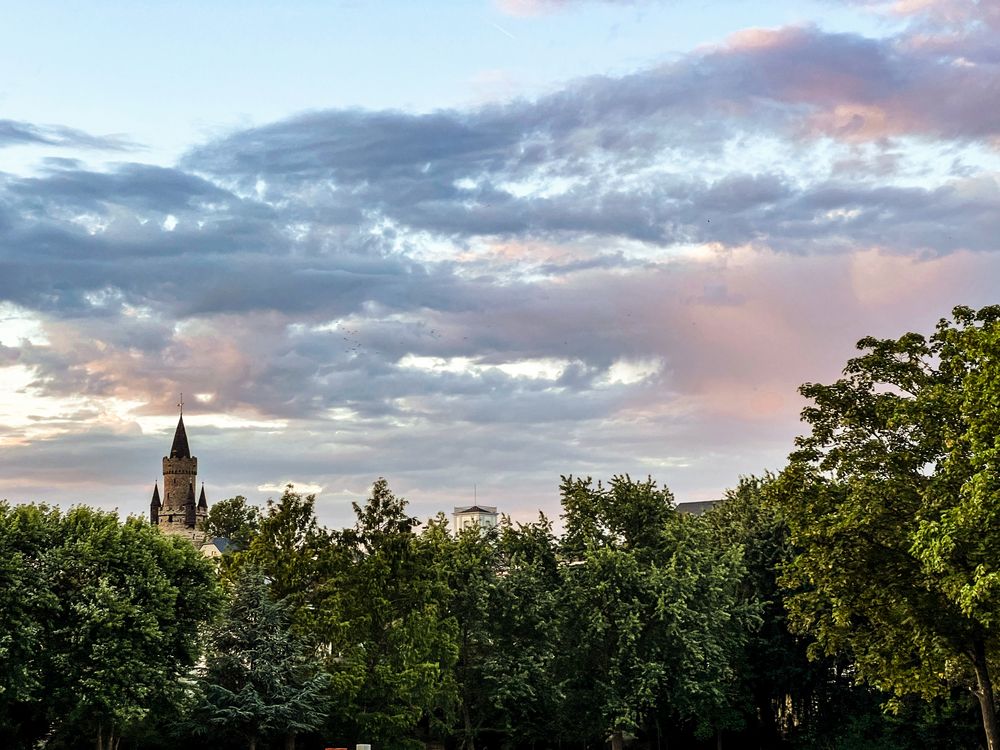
{"x": 178, "y": 512}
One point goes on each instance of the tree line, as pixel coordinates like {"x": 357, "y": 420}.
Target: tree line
{"x": 848, "y": 601}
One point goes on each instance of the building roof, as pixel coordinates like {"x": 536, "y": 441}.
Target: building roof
{"x": 221, "y": 543}
{"x": 202, "y": 501}
{"x": 180, "y": 448}
{"x": 697, "y": 507}
{"x": 155, "y": 502}
{"x": 476, "y": 509}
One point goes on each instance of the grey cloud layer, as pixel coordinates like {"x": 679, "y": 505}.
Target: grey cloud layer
{"x": 14, "y": 133}
{"x": 284, "y": 217}
{"x": 450, "y": 173}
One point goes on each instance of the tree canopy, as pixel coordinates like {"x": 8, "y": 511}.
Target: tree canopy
{"x": 260, "y": 679}
{"x": 865, "y": 574}
{"x": 99, "y": 621}
{"x": 892, "y": 503}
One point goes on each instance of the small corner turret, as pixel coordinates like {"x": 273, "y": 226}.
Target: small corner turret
{"x": 155, "y": 505}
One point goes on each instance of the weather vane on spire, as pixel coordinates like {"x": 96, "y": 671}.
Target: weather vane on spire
{"x": 180, "y": 404}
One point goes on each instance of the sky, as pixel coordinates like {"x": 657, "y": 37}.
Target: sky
{"x": 470, "y": 246}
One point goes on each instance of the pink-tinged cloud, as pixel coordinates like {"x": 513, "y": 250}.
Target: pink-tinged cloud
{"x": 855, "y": 89}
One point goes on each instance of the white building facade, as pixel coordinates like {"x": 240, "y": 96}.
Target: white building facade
{"x": 473, "y": 516}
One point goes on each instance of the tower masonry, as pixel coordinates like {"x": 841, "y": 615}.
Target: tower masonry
{"x": 177, "y": 512}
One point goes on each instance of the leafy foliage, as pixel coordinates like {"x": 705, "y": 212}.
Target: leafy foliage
{"x": 395, "y": 642}
{"x": 892, "y": 502}
{"x": 651, "y": 608}
{"x": 259, "y": 680}
{"x": 233, "y": 519}
{"x": 101, "y": 621}
{"x": 289, "y": 548}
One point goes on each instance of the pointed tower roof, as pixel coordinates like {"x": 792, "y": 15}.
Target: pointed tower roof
{"x": 190, "y": 497}
{"x": 180, "y": 448}
{"x": 155, "y": 502}
{"x": 202, "y": 501}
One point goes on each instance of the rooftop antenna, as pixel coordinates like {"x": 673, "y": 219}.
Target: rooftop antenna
{"x": 180, "y": 404}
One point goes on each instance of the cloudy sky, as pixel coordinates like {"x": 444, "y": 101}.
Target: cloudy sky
{"x": 470, "y": 244}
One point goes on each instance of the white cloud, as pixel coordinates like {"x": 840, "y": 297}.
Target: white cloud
{"x": 306, "y": 488}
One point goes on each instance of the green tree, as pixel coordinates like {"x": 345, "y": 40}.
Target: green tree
{"x": 469, "y": 565}
{"x": 652, "y": 620}
{"x": 892, "y": 503}
{"x": 781, "y": 684}
{"x": 788, "y": 696}
{"x": 505, "y": 585}
{"x": 289, "y": 547}
{"x": 27, "y": 607}
{"x": 390, "y": 634}
{"x": 108, "y": 616}
{"x": 260, "y": 679}
{"x": 235, "y": 519}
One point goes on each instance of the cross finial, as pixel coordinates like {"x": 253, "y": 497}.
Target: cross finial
{"x": 180, "y": 404}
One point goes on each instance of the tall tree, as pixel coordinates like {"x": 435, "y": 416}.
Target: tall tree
{"x": 27, "y": 609}
{"x": 289, "y": 547}
{"x": 515, "y": 644}
{"x": 260, "y": 680}
{"x": 395, "y": 641}
{"x": 781, "y": 683}
{"x": 652, "y": 622}
{"x": 893, "y": 502}
{"x": 469, "y": 564}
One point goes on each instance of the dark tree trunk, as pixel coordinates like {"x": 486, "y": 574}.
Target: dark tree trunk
{"x": 618, "y": 742}
{"x": 110, "y": 742}
{"x": 767, "y": 722}
{"x": 469, "y": 743}
{"x": 984, "y": 692}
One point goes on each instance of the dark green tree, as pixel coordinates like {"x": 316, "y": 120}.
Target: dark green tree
{"x": 27, "y": 607}
{"x": 469, "y": 565}
{"x": 781, "y": 684}
{"x": 892, "y": 502}
{"x": 260, "y": 680}
{"x": 504, "y": 585}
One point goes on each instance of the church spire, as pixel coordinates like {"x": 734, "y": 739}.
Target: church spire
{"x": 202, "y": 501}
{"x": 180, "y": 448}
